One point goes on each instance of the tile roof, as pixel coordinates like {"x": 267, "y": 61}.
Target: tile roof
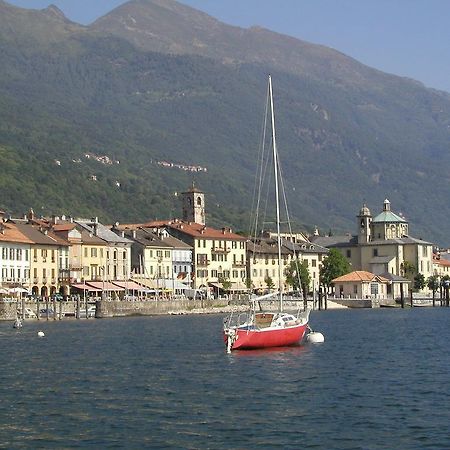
{"x": 40, "y": 235}
{"x": 358, "y": 276}
{"x": 265, "y": 246}
{"x": 9, "y": 232}
{"x": 198, "y": 230}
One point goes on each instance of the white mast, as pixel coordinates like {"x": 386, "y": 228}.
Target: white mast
{"x": 277, "y": 200}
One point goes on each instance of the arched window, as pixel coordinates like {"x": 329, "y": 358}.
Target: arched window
{"x": 199, "y": 201}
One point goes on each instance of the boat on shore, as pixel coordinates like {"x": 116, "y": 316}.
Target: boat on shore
{"x": 257, "y": 329}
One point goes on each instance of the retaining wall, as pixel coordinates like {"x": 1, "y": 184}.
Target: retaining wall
{"x": 120, "y": 308}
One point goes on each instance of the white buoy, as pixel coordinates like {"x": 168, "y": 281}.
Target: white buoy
{"x": 315, "y": 337}
{"x": 41, "y": 334}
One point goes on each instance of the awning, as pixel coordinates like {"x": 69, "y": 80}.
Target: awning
{"x": 105, "y": 286}
{"x": 84, "y": 287}
{"x": 171, "y": 285}
{"x": 131, "y": 285}
{"x": 147, "y": 282}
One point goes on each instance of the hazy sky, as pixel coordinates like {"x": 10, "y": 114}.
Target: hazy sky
{"x": 406, "y": 37}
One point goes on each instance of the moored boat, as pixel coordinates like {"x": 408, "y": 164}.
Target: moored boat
{"x": 258, "y": 329}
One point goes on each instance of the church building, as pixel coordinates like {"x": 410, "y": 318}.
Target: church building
{"x": 383, "y": 246}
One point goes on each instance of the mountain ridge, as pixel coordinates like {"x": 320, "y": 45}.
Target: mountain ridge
{"x": 68, "y": 90}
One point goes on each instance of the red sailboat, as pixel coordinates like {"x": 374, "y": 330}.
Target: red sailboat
{"x": 253, "y": 330}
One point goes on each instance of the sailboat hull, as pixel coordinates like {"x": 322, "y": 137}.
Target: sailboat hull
{"x": 248, "y": 339}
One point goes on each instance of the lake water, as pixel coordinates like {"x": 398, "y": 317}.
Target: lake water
{"x": 380, "y": 381}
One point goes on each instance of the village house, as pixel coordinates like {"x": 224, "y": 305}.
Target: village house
{"x": 360, "y": 284}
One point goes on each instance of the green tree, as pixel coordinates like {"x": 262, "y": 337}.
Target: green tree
{"x": 297, "y": 276}
{"x": 225, "y": 282}
{"x": 433, "y": 285}
{"x": 419, "y": 282}
{"x": 334, "y": 266}
{"x": 269, "y": 283}
{"x": 408, "y": 270}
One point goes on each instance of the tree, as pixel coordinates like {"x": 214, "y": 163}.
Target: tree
{"x": 226, "y": 283}
{"x": 269, "y": 282}
{"x": 419, "y": 282}
{"x": 433, "y": 283}
{"x": 408, "y": 270}
{"x": 297, "y": 276}
{"x": 334, "y": 266}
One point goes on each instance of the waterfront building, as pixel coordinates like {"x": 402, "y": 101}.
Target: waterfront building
{"x": 382, "y": 245}
{"x": 361, "y": 284}
{"x": 87, "y": 252}
{"x": 263, "y": 264}
{"x": 49, "y": 259}
{"x": 158, "y": 256}
{"x": 262, "y": 260}
{"x": 441, "y": 264}
{"x": 116, "y": 264}
{"x": 313, "y": 255}
{"x": 219, "y": 256}
{"x": 14, "y": 257}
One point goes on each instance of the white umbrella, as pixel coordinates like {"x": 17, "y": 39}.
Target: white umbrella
{"x": 18, "y": 290}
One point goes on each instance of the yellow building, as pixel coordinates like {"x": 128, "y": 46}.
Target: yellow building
{"x": 49, "y": 260}
{"x": 219, "y": 256}
{"x": 383, "y": 245}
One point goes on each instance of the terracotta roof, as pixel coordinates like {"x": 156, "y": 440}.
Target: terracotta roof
{"x": 64, "y": 226}
{"x": 441, "y": 261}
{"x": 10, "y": 233}
{"x": 359, "y": 275}
{"x": 198, "y": 230}
{"x": 39, "y": 235}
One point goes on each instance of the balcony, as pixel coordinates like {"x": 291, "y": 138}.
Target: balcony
{"x": 203, "y": 263}
{"x": 220, "y": 250}
{"x": 239, "y": 265}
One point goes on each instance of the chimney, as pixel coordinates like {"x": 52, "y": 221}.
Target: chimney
{"x": 134, "y": 234}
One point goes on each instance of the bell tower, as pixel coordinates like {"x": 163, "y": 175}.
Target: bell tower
{"x": 194, "y": 205}
{"x": 364, "y": 225}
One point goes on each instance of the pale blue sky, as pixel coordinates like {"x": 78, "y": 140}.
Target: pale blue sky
{"x": 406, "y": 37}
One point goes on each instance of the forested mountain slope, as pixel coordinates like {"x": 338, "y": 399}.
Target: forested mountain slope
{"x": 156, "y": 81}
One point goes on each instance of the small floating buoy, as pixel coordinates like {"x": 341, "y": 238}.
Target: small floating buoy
{"x": 315, "y": 337}
{"x": 41, "y": 334}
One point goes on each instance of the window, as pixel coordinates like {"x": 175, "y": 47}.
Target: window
{"x": 375, "y": 252}
{"x": 85, "y": 252}
{"x": 19, "y": 254}
{"x": 53, "y": 256}
{"x": 313, "y": 263}
{"x": 214, "y": 273}
{"x": 349, "y": 253}
{"x": 374, "y": 288}
{"x": 11, "y": 254}
{"x": 425, "y": 251}
{"x": 4, "y": 253}
{"x": 159, "y": 253}
{"x": 355, "y": 288}
{"x": 233, "y": 244}
{"x": 167, "y": 254}
{"x": 93, "y": 252}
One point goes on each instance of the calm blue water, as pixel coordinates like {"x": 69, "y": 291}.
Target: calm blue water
{"x": 380, "y": 380}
